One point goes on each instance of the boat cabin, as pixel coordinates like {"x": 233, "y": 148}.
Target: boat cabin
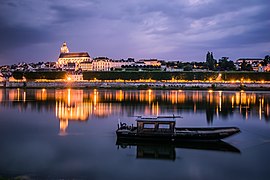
{"x": 155, "y": 124}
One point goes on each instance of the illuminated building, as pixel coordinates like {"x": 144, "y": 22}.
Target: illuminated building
{"x": 86, "y": 66}
{"x": 71, "y": 60}
{"x": 2, "y": 78}
{"x": 105, "y": 64}
{"x": 267, "y": 68}
{"x": 151, "y": 62}
{"x": 101, "y": 64}
{"x": 122, "y": 62}
{"x": 254, "y": 62}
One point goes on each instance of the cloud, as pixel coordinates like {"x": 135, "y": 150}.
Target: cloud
{"x": 138, "y": 28}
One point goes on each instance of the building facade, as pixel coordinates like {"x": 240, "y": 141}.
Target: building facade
{"x": 151, "y": 62}
{"x": 66, "y": 58}
{"x": 101, "y": 64}
{"x": 254, "y": 62}
{"x": 86, "y": 66}
{"x": 105, "y": 64}
{"x": 122, "y": 62}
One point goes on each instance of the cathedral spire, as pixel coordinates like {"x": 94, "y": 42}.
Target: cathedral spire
{"x": 64, "y": 48}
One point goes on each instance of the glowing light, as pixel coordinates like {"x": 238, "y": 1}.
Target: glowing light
{"x": 69, "y": 78}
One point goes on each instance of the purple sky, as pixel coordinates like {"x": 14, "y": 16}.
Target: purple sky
{"x": 34, "y": 30}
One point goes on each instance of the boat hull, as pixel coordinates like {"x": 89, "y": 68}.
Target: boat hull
{"x": 180, "y": 134}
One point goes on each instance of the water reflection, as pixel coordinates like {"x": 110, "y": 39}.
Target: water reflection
{"x": 83, "y": 104}
{"x": 167, "y": 151}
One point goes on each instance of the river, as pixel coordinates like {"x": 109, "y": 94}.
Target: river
{"x": 70, "y": 134}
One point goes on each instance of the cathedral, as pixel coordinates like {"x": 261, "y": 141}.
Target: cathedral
{"x": 71, "y": 60}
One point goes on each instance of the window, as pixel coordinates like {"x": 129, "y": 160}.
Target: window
{"x": 164, "y": 126}
{"x": 148, "y": 126}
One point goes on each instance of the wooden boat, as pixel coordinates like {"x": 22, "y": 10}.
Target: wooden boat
{"x": 162, "y": 128}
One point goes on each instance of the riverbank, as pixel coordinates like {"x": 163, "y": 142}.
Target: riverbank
{"x": 142, "y": 85}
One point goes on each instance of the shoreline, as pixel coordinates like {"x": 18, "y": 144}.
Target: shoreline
{"x": 142, "y": 85}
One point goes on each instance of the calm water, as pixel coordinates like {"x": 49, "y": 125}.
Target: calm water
{"x": 70, "y": 134}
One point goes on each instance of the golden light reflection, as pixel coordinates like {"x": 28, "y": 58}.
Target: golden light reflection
{"x": 1, "y": 95}
{"x": 119, "y": 95}
{"x": 18, "y": 92}
{"x": 24, "y": 96}
{"x": 74, "y": 105}
{"x": 69, "y": 107}
{"x": 79, "y": 105}
{"x": 260, "y": 109}
{"x": 83, "y": 104}
{"x": 15, "y": 94}
{"x": 68, "y": 97}
{"x": 41, "y": 95}
{"x": 220, "y": 100}
{"x": 267, "y": 110}
{"x": 149, "y": 96}
{"x": 63, "y": 127}
{"x": 210, "y": 97}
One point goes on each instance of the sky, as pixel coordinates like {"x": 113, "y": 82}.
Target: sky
{"x": 184, "y": 30}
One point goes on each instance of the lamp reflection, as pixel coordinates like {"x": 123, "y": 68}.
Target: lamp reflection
{"x": 83, "y": 104}
{"x": 70, "y": 107}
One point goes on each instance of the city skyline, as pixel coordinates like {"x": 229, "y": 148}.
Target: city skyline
{"x": 178, "y": 30}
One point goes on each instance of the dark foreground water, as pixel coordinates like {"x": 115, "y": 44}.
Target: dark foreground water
{"x": 70, "y": 134}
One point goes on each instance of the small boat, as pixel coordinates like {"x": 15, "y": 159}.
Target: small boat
{"x": 162, "y": 128}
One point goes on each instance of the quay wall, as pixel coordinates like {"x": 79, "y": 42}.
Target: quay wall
{"x": 141, "y": 85}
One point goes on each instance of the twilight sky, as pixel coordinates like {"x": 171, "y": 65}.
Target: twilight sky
{"x": 34, "y": 30}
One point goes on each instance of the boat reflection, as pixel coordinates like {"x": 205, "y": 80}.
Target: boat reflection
{"x": 167, "y": 150}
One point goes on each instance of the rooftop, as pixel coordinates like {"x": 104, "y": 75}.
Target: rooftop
{"x": 74, "y": 55}
{"x": 163, "y": 118}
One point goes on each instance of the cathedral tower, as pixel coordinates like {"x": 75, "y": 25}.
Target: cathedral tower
{"x": 64, "y": 48}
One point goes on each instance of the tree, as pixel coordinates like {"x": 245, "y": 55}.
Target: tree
{"x": 210, "y": 61}
{"x": 249, "y": 67}
{"x": 266, "y": 60}
{"x": 188, "y": 67}
{"x": 246, "y": 67}
{"x": 243, "y": 65}
{"x": 225, "y": 65}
